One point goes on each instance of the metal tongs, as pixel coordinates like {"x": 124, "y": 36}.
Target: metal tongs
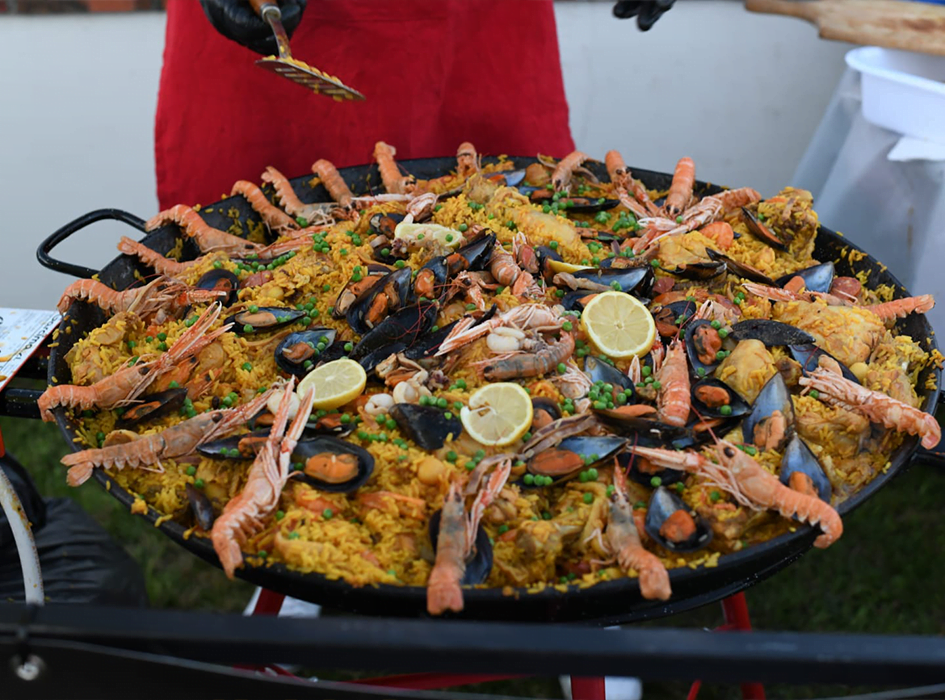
{"x": 294, "y": 69}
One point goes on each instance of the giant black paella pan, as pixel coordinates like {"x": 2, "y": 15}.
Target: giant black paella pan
{"x": 611, "y": 601}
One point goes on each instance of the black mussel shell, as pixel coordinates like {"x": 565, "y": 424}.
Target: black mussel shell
{"x": 303, "y": 346}
{"x": 599, "y": 371}
{"x": 266, "y": 318}
{"x": 576, "y": 300}
{"x": 328, "y": 425}
{"x": 479, "y": 564}
{"x": 774, "y": 396}
{"x": 427, "y": 426}
{"x": 406, "y": 327}
{"x": 706, "y": 429}
{"x": 652, "y": 477}
{"x": 230, "y": 447}
{"x": 663, "y": 504}
{"x": 799, "y": 458}
{"x": 771, "y": 333}
{"x": 700, "y": 391}
{"x": 153, "y": 406}
{"x": 384, "y": 224}
{"x": 762, "y": 232}
{"x": 478, "y": 253}
{"x": 697, "y": 270}
{"x": 221, "y": 280}
{"x": 200, "y": 507}
{"x": 809, "y": 358}
{"x": 510, "y": 178}
{"x": 545, "y": 411}
{"x": 440, "y": 271}
{"x": 740, "y": 269}
{"x": 696, "y": 334}
{"x": 670, "y": 317}
{"x": 428, "y": 345}
{"x": 397, "y": 286}
{"x": 372, "y": 359}
{"x": 545, "y": 254}
{"x": 309, "y": 448}
{"x": 632, "y": 280}
{"x": 587, "y": 205}
{"x": 604, "y": 447}
{"x": 347, "y": 297}
{"x": 816, "y": 279}
{"x": 556, "y": 463}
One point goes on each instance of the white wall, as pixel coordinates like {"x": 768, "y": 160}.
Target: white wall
{"x": 740, "y": 93}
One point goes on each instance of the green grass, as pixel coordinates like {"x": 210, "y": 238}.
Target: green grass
{"x": 882, "y": 577}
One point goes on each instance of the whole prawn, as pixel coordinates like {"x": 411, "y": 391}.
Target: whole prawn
{"x": 537, "y": 317}
{"x": 751, "y": 485}
{"x": 673, "y": 401}
{"x": 276, "y": 219}
{"x": 534, "y": 363}
{"x": 888, "y": 311}
{"x": 467, "y": 160}
{"x": 641, "y": 204}
{"x": 312, "y": 213}
{"x": 456, "y": 540}
{"x": 207, "y": 238}
{"x": 394, "y": 182}
{"x": 333, "y": 182}
{"x": 561, "y": 177}
{"x": 128, "y": 383}
{"x": 161, "y": 294}
{"x": 624, "y": 540}
{"x": 837, "y": 390}
{"x": 684, "y": 177}
{"x": 161, "y": 264}
{"x": 507, "y": 272}
{"x": 177, "y": 441}
{"x": 242, "y": 517}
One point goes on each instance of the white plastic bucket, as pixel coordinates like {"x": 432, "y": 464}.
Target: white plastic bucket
{"x": 902, "y": 91}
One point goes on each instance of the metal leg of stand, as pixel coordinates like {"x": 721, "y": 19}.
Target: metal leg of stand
{"x": 587, "y": 688}
{"x": 268, "y": 603}
{"x": 735, "y": 609}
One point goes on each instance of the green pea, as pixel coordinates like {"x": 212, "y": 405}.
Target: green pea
{"x": 328, "y": 513}
{"x": 198, "y": 483}
{"x": 588, "y": 498}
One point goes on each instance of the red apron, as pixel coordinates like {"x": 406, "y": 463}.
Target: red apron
{"x": 435, "y": 73}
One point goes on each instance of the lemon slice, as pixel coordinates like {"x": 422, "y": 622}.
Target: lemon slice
{"x": 335, "y": 383}
{"x": 619, "y": 325}
{"x": 424, "y": 233}
{"x": 561, "y": 266}
{"x": 498, "y": 414}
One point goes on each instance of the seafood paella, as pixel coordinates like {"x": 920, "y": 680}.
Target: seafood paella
{"x": 499, "y": 377}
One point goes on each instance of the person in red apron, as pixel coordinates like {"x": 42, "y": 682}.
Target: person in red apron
{"x": 435, "y": 73}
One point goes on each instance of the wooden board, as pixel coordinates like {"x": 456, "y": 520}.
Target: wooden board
{"x": 912, "y": 26}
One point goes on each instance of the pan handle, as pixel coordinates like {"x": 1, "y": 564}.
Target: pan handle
{"x": 935, "y": 456}
{"x": 19, "y": 403}
{"x": 45, "y": 248}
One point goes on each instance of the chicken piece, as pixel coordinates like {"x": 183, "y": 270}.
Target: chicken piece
{"x": 747, "y": 369}
{"x": 846, "y": 332}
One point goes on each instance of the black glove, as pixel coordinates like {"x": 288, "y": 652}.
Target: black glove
{"x": 236, "y": 20}
{"x": 646, "y": 11}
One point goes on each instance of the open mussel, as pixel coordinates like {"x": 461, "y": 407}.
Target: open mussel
{"x": 574, "y": 454}
{"x": 236, "y": 446}
{"x": 739, "y": 268}
{"x": 255, "y": 319}
{"x": 200, "y": 507}
{"x": 674, "y": 525}
{"x": 427, "y": 426}
{"x": 384, "y": 224}
{"x": 770, "y": 423}
{"x": 220, "y": 280}
{"x": 508, "y": 178}
{"x": 762, "y": 232}
{"x": 697, "y": 270}
{"x": 809, "y": 358}
{"x": 544, "y": 412}
{"x": 642, "y": 471}
{"x": 712, "y": 398}
{"x": 153, "y": 406}
{"x": 479, "y": 562}
{"x": 599, "y": 371}
{"x": 703, "y": 345}
{"x": 771, "y": 333}
{"x": 637, "y": 281}
{"x": 472, "y": 256}
{"x": 299, "y": 352}
{"x": 816, "y": 279}
{"x": 355, "y": 288}
{"x": 587, "y": 205}
{"x": 402, "y": 328}
{"x": 576, "y": 300}
{"x": 432, "y": 279}
{"x": 670, "y": 317}
{"x": 801, "y": 471}
{"x": 545, "y": 255}
{"x": 389, "y": 294}
{"x": 329, "y": 464}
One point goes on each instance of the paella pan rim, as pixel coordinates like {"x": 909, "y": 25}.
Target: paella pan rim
{"x": 617, "y": 600}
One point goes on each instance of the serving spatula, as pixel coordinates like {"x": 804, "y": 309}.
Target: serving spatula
{"x": 294, "y": 69}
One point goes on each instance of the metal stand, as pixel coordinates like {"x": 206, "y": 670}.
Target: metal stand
{"x": 734, "y": 608}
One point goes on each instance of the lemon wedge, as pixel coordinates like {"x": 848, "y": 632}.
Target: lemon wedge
{"x": 619, "y": 325}
{"x": 498, "y": 414}
{"x": 429, "y": 234}
{"x": 335, "y": 383}
{"x": 562, "y": 266}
